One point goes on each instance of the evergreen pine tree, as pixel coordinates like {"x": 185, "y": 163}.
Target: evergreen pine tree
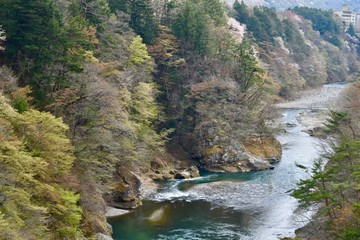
{"x": 191, "y": 26}
{"x": 142, "y": 20}
{"x": 95, "y": 11}
{"x": 32, "y": 29}
{"x": 33, "y": 43}
{"x": 351, "y": 30}
{"x": 117, "y": 5}
{"x": 248, "y": 73}
{"x": 242, "y": 14}
{"x": 216, "y": 11}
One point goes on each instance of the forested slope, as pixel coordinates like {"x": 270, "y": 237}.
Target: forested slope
{"x": 284, "y": 4}
{"x": 98, "y": 95}
{"x": 301, "y": 47}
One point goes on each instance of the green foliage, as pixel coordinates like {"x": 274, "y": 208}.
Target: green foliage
{"x": 95, "y": 11}
{"x": 117, "y": 5}
{"x": 269, "y": 22}
{"x": 165, "y": 50}
{"x": 29, "y": 26}
{"x": 335, "y": 121}
{"x": 351, "y": 234}
{"x": 35, "y": 154}
{"x": 45, "y": 137}
{"x": 94, "y": 70}
{"x": 138, "y": 55}
{"x": 144, "y": 108}
{"x": 68, "y": 213}
{"x": 248, "y": 73}
{"x": 195, "y": 21}
{"x": 144, "y": 112}
{"x": 32, "y": 29}
{"x": 192, "y": 26}
{"x": 263, "y": 23}
{"x": 78, "y": 39}
{"x": 142, "y": 19}
{"x": 20, "y": 105}
{"x": 242, "y": 14}
{"x": 166, "y": 53}
{"x": 312, "y": 190}
{"x": 351, "y": 30}
{"x": 216, "y": 11}
{"x": 322, "y": 21}
{"x": 352, "y": 231}
{"x": 336, "y": 184}
{"x": 295, "y": 54}
{"x": 295, "y": 41}
{"x": 43, "y": 46}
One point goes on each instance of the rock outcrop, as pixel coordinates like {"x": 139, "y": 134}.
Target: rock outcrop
{"x": 177, "y": 165}
{"x": 221, "y": 153}
{"x": 134, "y": 182}
{"x": 100, "y": 236}
{"x": 127, "y": 190}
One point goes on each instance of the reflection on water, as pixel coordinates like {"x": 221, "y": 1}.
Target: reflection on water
{"x": 184, "y": 220}
{"x": 215, "y": 206}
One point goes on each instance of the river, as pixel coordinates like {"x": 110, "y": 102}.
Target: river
{"x": 221, "y": 206}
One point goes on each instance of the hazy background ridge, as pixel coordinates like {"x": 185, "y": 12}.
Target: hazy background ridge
{"x": 324, "y": 4}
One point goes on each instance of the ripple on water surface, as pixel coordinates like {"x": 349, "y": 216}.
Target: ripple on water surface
{"x": 246, "y": 206}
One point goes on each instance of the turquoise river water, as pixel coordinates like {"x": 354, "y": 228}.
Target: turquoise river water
{"x": 221, "y": 206}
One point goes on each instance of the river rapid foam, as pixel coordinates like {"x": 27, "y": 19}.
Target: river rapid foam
{"x": 253, "y": 205}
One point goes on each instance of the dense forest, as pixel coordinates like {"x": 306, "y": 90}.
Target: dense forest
{"x": 302, "y": 47}
{"x": 98, "y": 95}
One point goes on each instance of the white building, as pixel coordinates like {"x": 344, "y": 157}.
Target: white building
{"x": 348, "y": 16}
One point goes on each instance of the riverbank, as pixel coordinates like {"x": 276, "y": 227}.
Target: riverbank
{"x": 317, "y": 104}
{"x": 247, "y": 206}
{"x": 236, "y": 205}
{"x": 325, "y": 97}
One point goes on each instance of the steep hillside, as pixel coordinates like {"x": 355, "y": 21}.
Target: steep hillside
{"x": 284, "y": 4}
{"x": 122, "y": 92}
{"x": 98, "y": 97}
{"x": 300, "y": 48}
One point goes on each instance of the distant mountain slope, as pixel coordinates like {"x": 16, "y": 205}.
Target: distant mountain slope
{"x": 325, "y": 4}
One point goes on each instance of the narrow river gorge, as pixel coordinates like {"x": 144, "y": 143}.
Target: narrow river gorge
{"x": 253, "y": 205}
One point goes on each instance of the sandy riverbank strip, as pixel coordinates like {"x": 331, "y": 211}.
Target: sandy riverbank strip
{"x": 325, "y": 97}
{"x": 115, "y": 212}
{"x": 317, "y": 102}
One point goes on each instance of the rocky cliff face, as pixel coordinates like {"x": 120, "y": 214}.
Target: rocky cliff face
{"x": 221, "y": 152}
{"x": 127, "y": 191}
{"x": 129, "y": 187}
